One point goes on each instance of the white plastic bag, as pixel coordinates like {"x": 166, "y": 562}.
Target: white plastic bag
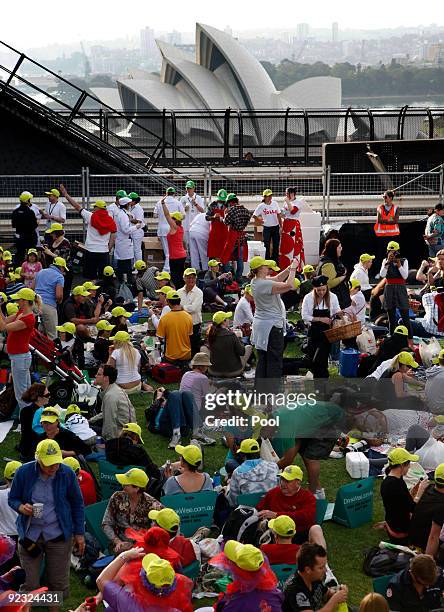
{"x": 415, "y": 473}
{"x": 428, "y": 350}
{"x": 267, "y": 451}
{"x": 431, "y": 454}
{"x": 366, "y": 341}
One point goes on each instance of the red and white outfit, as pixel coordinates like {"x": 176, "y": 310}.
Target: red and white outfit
{"x": 292, "y": 243}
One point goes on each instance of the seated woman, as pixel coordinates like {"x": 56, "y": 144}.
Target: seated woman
{"x": 77, "y": 424}
{"x": 228, "y": 355}
{"x": 244, "y": 312}
{"x": 189, "y": 480}
{"x": 71, "y": 344}
{"x": 127, "y": 449}
{"x": 70, "y": 444}
{"x": 100, "y": 352}
{"x": 398, "y": 502}
{"x": 162, "y": 307}
{"x": 196, "y": 382}
{"x": 119, "y": 319}
{"x": 38, "y": 396}
{"x": 393, "y": 384}
{"x": 128, "y": 509}
{"x": 214, "y": 284}
{"x": 126, "y": 359}
{"x": 108, "y": 284}
{"x": 389, "y": 347}
{"x": 146, "y": 285}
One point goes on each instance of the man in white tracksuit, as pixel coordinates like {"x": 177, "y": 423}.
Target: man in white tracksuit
{"x": 137, "y": 216}
{"x": 173, "y": 205}
{"x": 193, "y": 205}
{"x": 198, "y": 245}
{"x": 123, "y": 249}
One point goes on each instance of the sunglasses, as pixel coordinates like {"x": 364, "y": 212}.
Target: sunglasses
{"x": 46, "y": 395}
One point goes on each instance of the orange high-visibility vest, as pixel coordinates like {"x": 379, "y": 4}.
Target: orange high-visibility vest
{"x": 382, "y": 229}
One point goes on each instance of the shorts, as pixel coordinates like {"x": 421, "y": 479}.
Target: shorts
{"x": 316, "y": 448}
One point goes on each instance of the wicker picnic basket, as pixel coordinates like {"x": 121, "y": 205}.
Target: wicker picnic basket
{"x": 344, "y": 332}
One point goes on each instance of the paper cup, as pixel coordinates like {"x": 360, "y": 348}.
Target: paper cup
{"x": 37, "y": 510}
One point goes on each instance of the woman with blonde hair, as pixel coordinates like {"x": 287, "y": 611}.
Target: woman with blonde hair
{"x": 126, "y": 359}
{"x": 373, "y": 602}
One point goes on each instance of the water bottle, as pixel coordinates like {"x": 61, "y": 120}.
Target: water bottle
{"x": 357, "y": 447}
{"x": 216, "y": 480}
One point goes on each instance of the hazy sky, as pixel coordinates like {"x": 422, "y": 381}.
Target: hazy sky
{"x": 34, "y": 23}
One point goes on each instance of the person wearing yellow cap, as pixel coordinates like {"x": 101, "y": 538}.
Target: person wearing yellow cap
{"x": 102, "y": 343}
{"x": 150, "y": 583}
{"x": 100, "y": 235}
{"x": 386, "y": 227}
{"x": 78, "y": 424}
{"x": 55, "y": 211}
{"x": 426, "y": 521}
{"x": 356, "y": 310}
{"x": 128, "y": 449}
{"x": 176, "y": 327}
{"x": 215, "y": 284}
{"x": 191, "y": 300}
{"x": 243, "y": 313}
{"x": 126, "y": 359}
{"x": 162, "y": 307}
{"x": 393, "y": 389}
{"x": 269, "y": 216}
{"x": 235, "y": 247}
{"x": 389, "y": 347}
{"x": 360, "y": 273}
{"x": 30, "y": 267}
{"x": 8, "y": 516}
{"x": 434, "y": 385}
{"x": 25, "y": 223}
{"x": 395, "y": 270}
{"x": 173, "y": 205}
{"x": 190, "y": 480}
{"x": 228, "y": 354}
{"x": 128, "y": 508}
{"x": 85, "y": 480}
{"x": 50, "y": 285}
{"x": 56, "y": 520}
{"x": 175, "y": 243}
{"x": 79, "y": 309}
{"x": 68, "y": 441}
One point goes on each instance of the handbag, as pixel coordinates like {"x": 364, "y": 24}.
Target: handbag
{"x": 125, "y": 292}
{"x": 267, "y": 451}
{"x": 32, "y": 548}
{"x": 428, "y": 350}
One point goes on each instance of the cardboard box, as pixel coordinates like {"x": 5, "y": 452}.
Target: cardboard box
{"x": 152, "y": 243}
{"x": 153, "y": 251}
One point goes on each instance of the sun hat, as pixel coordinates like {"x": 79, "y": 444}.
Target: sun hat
{"x": 10, "y": 469}
{"x": 32, "y": 252}
{"x": 48, "y": 452}
{"x": 80, "y": 291}
{"x": 99, "y": 204}
{"x": 165, "y": 518}
{"x": 283, "y": 525}
{"x": 135, "y": 429}
{"x": 354, "y": 283}
{"x": 104, "y": 325}
{"x": 249, "y": 446}
{"x": 163, "y": 276}
{"x": 248, "y": 289}
{"x": 296, "y": 283}
{"x": 173, "y": 295}
{"x": 67, "y": 328}
{"x": 121, "y": 336}
{"x": 134, "y": 476}
{"x": 171, "y": 190}
{"x": 200, "y": 359}
{"x": 192, "y": 454}
{"x": 124, "y": 201}
{"x": 245, "y": 556}
{"x": 119, "y": 311}
{"x": 366, "y": 257}
{"x": 72, "y": 409}
{"x": 140, "y": 265}
{"x": 90, "y": 286}
{"x": 319, "y": 281}
{"x": 258, "y": 261}
{"x": 72, "y": 463}
{"x": 11, "y": 308}
{"x": 439, "y": 474}
{"x": 221, "y": 316}
{"x": 55, "y": 227}
{"x": 400, "y": 455}
{"x": 292, "y": 472}
{"x": 133, "y": 195}
{"x": 231, "y": 197}
{"x": 25, "y": 196}
{"x": 24, "y": 294}
{"x": 7, "y": 256}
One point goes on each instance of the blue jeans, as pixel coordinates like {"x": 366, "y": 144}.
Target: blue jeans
{"x": 239, "y": 267}
{"x": 418, "y": 329}
{"x": 182, "y": 410}
{"x": 21, "y": 376}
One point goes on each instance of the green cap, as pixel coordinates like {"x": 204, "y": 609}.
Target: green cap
{"x": 231, "y": 197}
{"x": 121, "y": 194}
{"x": 222, "y": 195}
{"x": 171, "y": 190}
{"x": 190, "y": 185}
{"x": 133, "y": 195}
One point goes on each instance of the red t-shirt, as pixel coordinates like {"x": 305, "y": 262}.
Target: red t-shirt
{"x": 281, "y": 553}
{"x": 87, "y": 487}
{"x": 300, "y": 507}
{"x": 184, "y": 548}
{"x": 18, "y": 341}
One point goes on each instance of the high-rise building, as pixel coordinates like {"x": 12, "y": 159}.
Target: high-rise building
{"x": 303, "y": 30}
{"x": 174, "y": 38}
{"x": 148, "y": 45}
{"x": 335, "y": 31}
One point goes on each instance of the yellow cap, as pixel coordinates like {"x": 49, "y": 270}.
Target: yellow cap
{"x": 165, "y": 518}
{"x": 11, "y": 309}
{"x": 163, "y": 276}
{"x": 393, "y": 246}
{"x": 80, "y": 290}
{"x": 366, "y": 257}
{"x": 55, "y": 227}
{"x": 32, "y": 251}
{"x": 213, "y": 263}
{"x": 173, "y": 295}
{"x": 135, "y": 429}
{"x": 248, "y": 289}
{"x": 439, "y": 474}
{"x": 257, "y": 262}
{"x": 135, "y": 477}
{"x": 72, "y": 409}
{"x": 354, "y": 283}
{"x": 402, "y": 330}
{"x": 25, "y": 196}
{"x": 72, "y": 463}
{"x": 249, "y": 446}
{"x": 307, "y": 269}
{"x": 108, "y": 271}
{"x": 267, "y": 192}
{"x": 104, "y": 325}
{"x": 3, "y": 296}
{"x": 48, "y": 452}
{"x": 159, "y": 572}
{"x": 121, "y": 336}
{"x": 10, "y": 469}
{"x": 405, "y": 358}
{"x": 283, "y": 525}
{"x": 68, "y": 328}
{"x": 221, "y": 316}
{"x": 245, "y": 556}
{"x": 189, "y": 271}
{"x": 99, "y": 204}
{"x": 54, "y": 192}
{"x": 191, "y": 454}
{"x": 165, "y": 289}
{"x": 59, "y": 261}
{"x": 24, "y": 294}
{"x": 296, "y": 283}
{"x": 90, "y": 286}
{"x": 140, "y": 265}
{"x": 50, "y": 414}
{"x": 119, "y": 311}
{"x": 7, "y": 256}
{"x": 292, "y": 472}
{"x": 177, "y": 216}
{"x": 399, "y": 455}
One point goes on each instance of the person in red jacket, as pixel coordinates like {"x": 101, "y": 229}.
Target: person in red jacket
{"x": 291, "y": 499}
{"x": 169, "y": 520}
{"x": 86, "y": 481}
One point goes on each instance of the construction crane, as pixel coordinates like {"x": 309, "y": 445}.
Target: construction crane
{"x": 87, "y": 63}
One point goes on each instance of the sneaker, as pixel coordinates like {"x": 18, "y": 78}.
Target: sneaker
{"x": 175, "y": 440}
{"x": 203, "y": 439}
{"x": 336, "y": 455}
{"x": 320, "y": 494}
{"x": 330, "y": 579}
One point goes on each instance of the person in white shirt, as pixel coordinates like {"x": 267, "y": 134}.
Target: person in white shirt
{"x": 55, "y": 211}
{"x": 137, "y": 216}
{"x": 191, "y": 300}
{"x": 113, "y": 208}
{"x": 198, "y": 245}
{"x": 100, "y": 236}
{"x": 123, "y": 249}
{"x": 163, "y": 308}
{"x": 360, "y": 273}
{"x": 292, "y": 242}
{"x": 193, "y": 205}
{"x": 269, "y": 215}
{"x": 126, "y": 359}
{"x": 395, "y": 269}
{"x": 243, "y": 314}
{"x": 357, "y": 307}
{"x": 79, "y": 425}
{"x": 163, "y": 227}
{"x": 8, "y": 516}
{"x": 319, "y": 307}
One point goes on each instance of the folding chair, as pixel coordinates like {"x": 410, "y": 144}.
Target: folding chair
{"x": 380, "y": 584}
{"x": 195, "y": 509}
{"x": 321, "y": 509}
{"x": 250, "y": 499}
{"x": 93, "y": 518}
{"x": 107, "y": 477}
{"x": 283, "y": 572}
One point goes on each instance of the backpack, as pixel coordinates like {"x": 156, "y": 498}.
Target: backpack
{"x": 157, "y": 419}
{"x": 379, "y": 562}
{"x": 242, "y": 525}
{"x": 166, "y": 373}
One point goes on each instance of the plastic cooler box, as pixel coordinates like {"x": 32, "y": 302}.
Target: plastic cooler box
{"x": 357, "y": 465}
{"x": 255, "y": 248}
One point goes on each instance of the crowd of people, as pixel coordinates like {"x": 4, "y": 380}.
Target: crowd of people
{"x": 92, "y": 323}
